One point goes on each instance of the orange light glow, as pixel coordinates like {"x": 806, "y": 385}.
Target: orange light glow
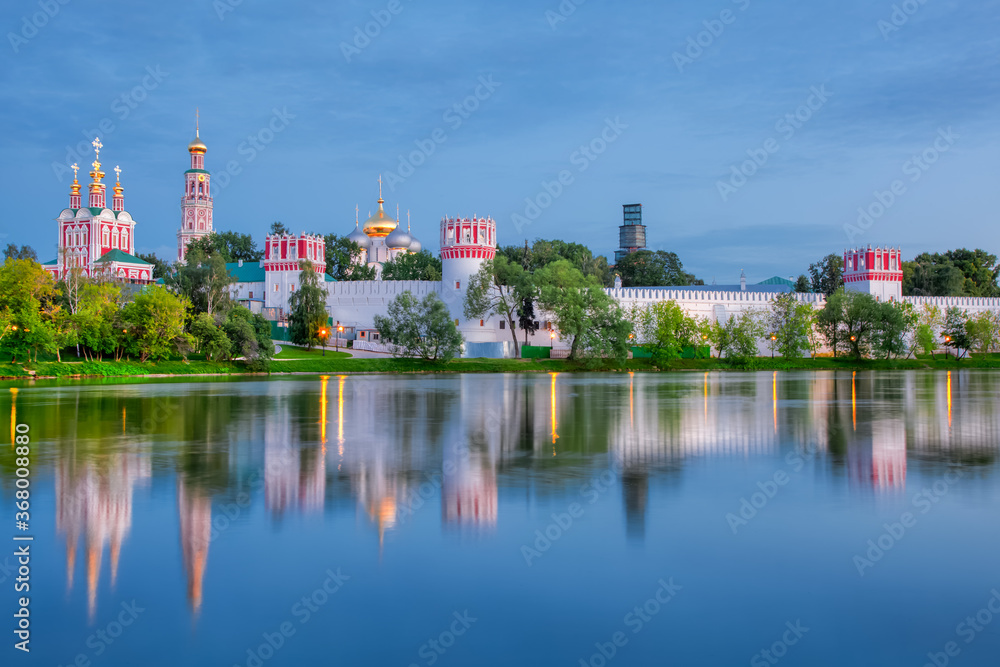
{"x": 552, "y": 398}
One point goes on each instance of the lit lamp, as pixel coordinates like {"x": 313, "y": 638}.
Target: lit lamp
{"x": 552, "y": 338}
{"x": 340, "y": 330}
{"x": 322, "y": 335}
{"x": 773, "y": 338}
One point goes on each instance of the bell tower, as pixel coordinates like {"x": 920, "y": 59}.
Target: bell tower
{"x": 196, "y": 204}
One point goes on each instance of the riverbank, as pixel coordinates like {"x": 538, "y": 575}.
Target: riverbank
{"x": 342, "y": 363}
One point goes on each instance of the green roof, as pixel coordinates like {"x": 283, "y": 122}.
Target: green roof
{"x": 778, "y": 281}
{"x": 117, "y": 255}
{"x": 329, "y": 278}
{"x": 250, "y": 272}
{"x": 196, "y": 171}
{"x": 51, "y": 262}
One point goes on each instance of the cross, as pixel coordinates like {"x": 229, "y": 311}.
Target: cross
{"x": 380, "y": 186}
{"x": 75, "y": 167}
{"x": 196, "y": 121}
{"x": 356, "y": 215}
{"x": 96, "y": 143}
{"x": 118, "y": 172}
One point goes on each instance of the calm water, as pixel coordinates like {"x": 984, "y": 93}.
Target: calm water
{"x": 613, "y": 519}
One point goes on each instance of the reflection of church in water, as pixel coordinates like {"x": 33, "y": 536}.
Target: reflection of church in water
{"x": 453, "y": 442}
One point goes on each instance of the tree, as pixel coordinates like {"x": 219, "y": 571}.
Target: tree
{"x": 307, "y": 308}
{"x": 154, "y": 323}
{"x": 646, "y": 268}
{"x": 664, "y": 330}
{"x": 956, "y": 335}
{"x": 737, "y": 337}
{"x": 278, "y": 229}
{"x": 421, "y": 329}
{"x": 160, "y": 267}
{"x": 233, "y": 246}
{"x": 803, "y": 284}
{"x": 342, "y": 259}
{"x": 545, "y": 252}
{"x": 250, "y": 334}
{"x": 959, "y": 272}
{"x": 412, "y": 266}
{"x": 95, "y": 320}
{"x": 984, "y": 331}
{"x": 28, "y": 297}
{"x": 211, "y": 340}
{"x": 790, "y": 322}
{"x": 829, "y": 319}
{"x": 827, "y": 274}
{"x": 894, "y": 322}
{"x": 526, "y": 316}
{"x": 498, "y": 288}
{"x": 13, "y": 251}
{"x": 578, "y": 304}
{"x": 203, "y": 280}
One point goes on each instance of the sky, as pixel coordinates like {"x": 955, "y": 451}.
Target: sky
{"x": 759, "y": 136}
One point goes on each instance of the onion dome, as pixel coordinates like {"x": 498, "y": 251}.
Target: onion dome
{"x": 415, "y": 246}
{"x": 380, "y": 224}
{"x": 360, "y": 238}
{"x": 197, "y": 146}
{"x": 398, "y": 238}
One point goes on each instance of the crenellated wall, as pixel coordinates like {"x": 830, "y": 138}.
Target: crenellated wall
{"x": 356, "y": 303}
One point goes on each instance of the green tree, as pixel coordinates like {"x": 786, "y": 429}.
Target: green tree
{"x": 803, "y": 284}
{"x": 28, "y": 295}
{"x": 342, "y": 256}
{"x": 498, "y": 288}
{"x": 925, "y": 339}
{"x": 233, "y": 246}
{"x": 664, "y": 330}
{"x": 984, "y": 331}
{"x": 210, "y": 339}
{"x": 160, "y": 267}
{"x": 250, "y": 334}
{"x": 959, "y": 272}
{"x": 307, "y": 308}
{"x": 646, "y": 268}
{"x": 412, "y": 266}
{"x": 203, "y": 280}
{"x": 421, "y": 329}
{"x": 737, "y": 337}
{"x": 827, "y": 275}
{"x": 526, "y": 316}
{"x": 277, "y": 228}
{"x": 578, "y": 304}
{"x": 829, "y": 319}
{"x": 13, "y": 251}
{"x": 893, "y": 324}
{"x": 790, "y": 322}
{"x": 956, "y": 335}
{"x": 154, "y": 321}
{"x": 96, "y": 318}
{"x": 579, "y": 256}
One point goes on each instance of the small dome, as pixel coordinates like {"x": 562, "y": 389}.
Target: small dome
{"x": 415, "y": 245}
{"x": 399, "y": 238}
{"x": 360, "y": 238}
{"x": 197, "y": 146}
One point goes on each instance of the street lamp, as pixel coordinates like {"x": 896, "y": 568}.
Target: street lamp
{"x": 773, "y": 339}
{"x": 340, "y": 330}
{"x": 322, "y": 334}
{"x": 552, "y": 338}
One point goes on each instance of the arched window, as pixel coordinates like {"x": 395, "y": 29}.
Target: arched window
{"x": 104, "y": 237}
{"x": 125, "y": 240}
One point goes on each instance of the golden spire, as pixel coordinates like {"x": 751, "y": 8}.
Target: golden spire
{"x": 75, "y": 186}
{"x": 197, "y": 123}
{"x": 96, "y": 174}
{"x": 197, "y": 146}
{"x": 118, "y": 186}
{"x": 380, "y": 200}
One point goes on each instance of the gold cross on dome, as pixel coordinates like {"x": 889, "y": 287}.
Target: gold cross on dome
{"x": 96, "y": 143}
{"x": 380, "y": 186}
{"x": 118, "y": 172}
{"x": 75, "y": 167}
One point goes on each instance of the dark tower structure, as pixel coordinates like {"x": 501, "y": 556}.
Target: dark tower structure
{"x": 632, "y": 234}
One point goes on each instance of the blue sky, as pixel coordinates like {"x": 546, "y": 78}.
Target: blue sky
{"x": 558, "y": 75}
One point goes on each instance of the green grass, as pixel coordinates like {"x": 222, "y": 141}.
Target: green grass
{"x": 288, "y": 352}
{"x": 335, "y": 363}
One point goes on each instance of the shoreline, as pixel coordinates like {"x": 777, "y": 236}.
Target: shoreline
{"x": 368, "y": 366}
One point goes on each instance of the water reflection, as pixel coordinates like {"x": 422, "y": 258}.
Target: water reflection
{"x": 405, "y": 444}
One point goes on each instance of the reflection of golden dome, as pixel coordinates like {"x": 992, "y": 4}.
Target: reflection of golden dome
{"x": 380, "y": 224}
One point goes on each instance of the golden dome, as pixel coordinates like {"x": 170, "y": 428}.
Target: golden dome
{"x": 380, "y": 224}
{"x": 197, "y": 146}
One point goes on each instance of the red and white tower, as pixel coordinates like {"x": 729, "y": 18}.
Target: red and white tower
{"x": 196, "y": 204}
{"x": 465, "y": 244}
{"x": 877, "y": 271}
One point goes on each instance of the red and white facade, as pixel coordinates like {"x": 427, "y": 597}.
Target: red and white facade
{"x": 94, "y": 239}
{"x": 196, "y": 204}
{"x": 284, "y": 258}
{"x": 877, "y": 271}
{"x": 465, "y": 244}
